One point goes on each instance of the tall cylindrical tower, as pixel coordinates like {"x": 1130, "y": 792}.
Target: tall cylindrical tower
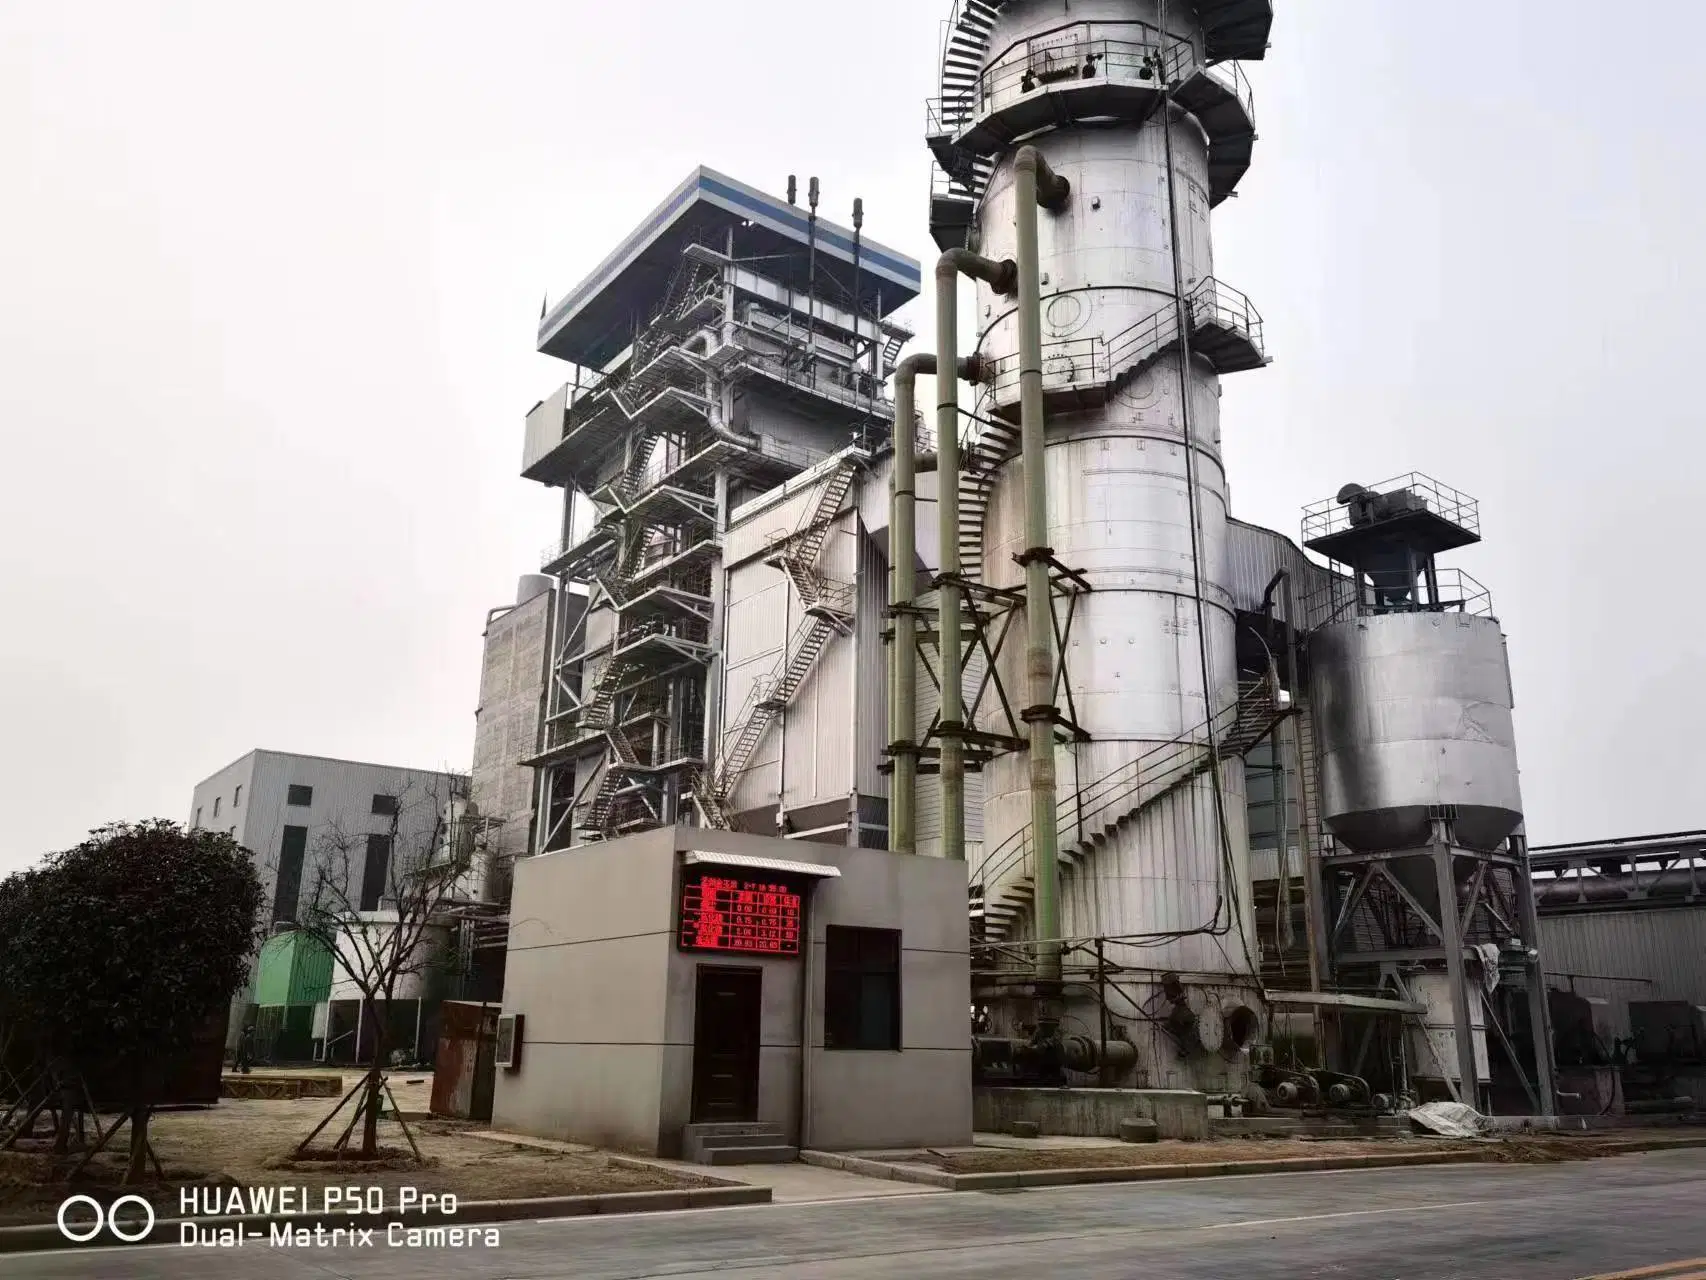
{"x": 1140, "y": 105}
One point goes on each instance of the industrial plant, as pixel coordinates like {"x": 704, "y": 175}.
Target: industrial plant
{"x": 898, "y": 740}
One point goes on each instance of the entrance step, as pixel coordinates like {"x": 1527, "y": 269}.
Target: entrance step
{"x": 748, "y": 1155}
{"x": 736, "y": 1143}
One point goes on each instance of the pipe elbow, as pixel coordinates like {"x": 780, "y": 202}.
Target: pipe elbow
{"x": 1002, "y": 276}
{"x": 915, "y": 364}
{"x": 1053, "y": 191}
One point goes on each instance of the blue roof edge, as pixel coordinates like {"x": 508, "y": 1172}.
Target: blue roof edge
{"x": 737, "y": 197}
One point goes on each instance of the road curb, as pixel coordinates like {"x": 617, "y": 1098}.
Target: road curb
{"x": 1010, "y": 1179}
{"x": 474, "y": 1213}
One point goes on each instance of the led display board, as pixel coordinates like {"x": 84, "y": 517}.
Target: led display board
{"x": 724, "y": 910}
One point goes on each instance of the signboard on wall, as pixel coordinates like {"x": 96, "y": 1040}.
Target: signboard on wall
{"x": 730, "y": 910}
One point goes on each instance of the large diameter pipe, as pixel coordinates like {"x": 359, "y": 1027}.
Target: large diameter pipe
{"x": 903, "y": 593}
{"x": 903, "y": 599}
{"x": 1003, "y": 277}
{"x": 1038, "y": 185}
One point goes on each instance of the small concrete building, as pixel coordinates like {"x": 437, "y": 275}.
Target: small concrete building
{"x": 664, "y": 979}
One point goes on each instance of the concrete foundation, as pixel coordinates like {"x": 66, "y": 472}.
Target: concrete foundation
{"x": 1092, "y": 1113}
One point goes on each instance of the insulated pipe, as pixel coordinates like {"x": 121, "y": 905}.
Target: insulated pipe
{"x": 903, "y": 590}
{"x": 903, "y": 594}
{"x": 1003, "y": 277}
{"x": 1037, "y": 184}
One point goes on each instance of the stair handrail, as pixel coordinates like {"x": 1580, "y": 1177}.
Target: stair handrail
{"x": 1156, "y": 770}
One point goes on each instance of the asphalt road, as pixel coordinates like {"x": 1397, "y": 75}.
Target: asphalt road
{"x": 1466, "y": 1222}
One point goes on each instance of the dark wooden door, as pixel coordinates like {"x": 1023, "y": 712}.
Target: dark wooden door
{"x": 726, "y": 1018}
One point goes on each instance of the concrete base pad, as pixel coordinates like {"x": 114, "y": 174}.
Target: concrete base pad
{"x": 278, "y": 1086}
{"x": 1091, "y": 1113}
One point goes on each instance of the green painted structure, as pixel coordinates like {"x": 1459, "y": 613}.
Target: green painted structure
{"x": 295, "y": 968}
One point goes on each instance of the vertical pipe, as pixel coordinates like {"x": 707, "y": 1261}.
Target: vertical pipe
{"x": 1003, "y": 277}
{"x": 811, "y": 280}
{"x": 1315, "y": 918}
{"x": 903, "y": 592}
{"x": 1539, "y": 1014}
{"x": 1282, "y": 844}
{"x": 953, "y": 771}
{"x": 1037, "y": 184}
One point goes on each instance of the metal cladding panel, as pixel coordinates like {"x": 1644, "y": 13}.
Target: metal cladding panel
{"x": 1656, "y": 954}
{"x": 822, "y": 743}
{"x": 545, "y": 427}
{"x": 600, "y": 628}
{"x": 1165, "y": 873}
{"x": 506, "y": 724}
{"x": 1413, "y": 710}
{"x": 871, "y": 709}
{"x": 760, "y": 615}
{"x": 1264, "y": 816}
{"x": 755, "y": 527}
{"x": 1255, "y": 555}
{"x": 929, "y": 702}
{"x": 272, "y": 969}
{"x": 1106, "y": 260}
{"x": 294, "y": 968}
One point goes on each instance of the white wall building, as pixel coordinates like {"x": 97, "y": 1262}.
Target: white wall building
{"x": 285, "y": 808}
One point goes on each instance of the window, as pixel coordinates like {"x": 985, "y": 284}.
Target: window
{"x": 299, "y": 795}
{"x": 237, "y": 796}
{"x": 374, "y": 874}
{"x": 861, "y": 989}
{"x": 198, "y": 816}
{"x": 216, "y": 806}
{"x": 385, "y": 806}
{"x": 289, "y": 889}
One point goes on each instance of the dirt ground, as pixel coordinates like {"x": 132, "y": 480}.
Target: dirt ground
{"x": 235, "y": 1141}
{"x": 1526, "y": 1148}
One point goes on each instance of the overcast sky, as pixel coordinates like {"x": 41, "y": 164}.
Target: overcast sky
{"x": 271, "y": 278}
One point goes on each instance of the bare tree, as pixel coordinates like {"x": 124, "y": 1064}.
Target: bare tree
{"x": 376, "y": 902}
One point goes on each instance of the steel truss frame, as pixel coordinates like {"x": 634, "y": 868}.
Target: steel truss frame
{"x": 992, "y": 611}
{"x": 1377, "y": 923}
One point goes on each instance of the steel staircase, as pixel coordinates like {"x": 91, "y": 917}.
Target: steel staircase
{"x": 981, "y": 457}
{"x": 826, "y": 614}
{"x": 1225, "y": 330}
{"x": 1232, "y": 30}
{"x": 1090, "y": 818}
{"x": 596, "y": 711}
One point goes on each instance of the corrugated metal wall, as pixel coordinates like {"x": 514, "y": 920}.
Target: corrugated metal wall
{"x": 872, "y": 681}
{"x": 1619, "y": 956}
{"x": 929, "y": 785}
{"x": 1255, "y": 554}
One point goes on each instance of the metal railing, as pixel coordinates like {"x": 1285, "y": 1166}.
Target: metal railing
{"x": 1097, "y": 361}
{"x": 1098, "y": 804}
{"x": 1074, "y": 54}
{"x": 1448, "y": 591}
{"x": 1331, "y": 516}
{"x": 1077, "y": 54}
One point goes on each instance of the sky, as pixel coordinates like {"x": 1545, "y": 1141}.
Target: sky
{"x": 272, "y": 277}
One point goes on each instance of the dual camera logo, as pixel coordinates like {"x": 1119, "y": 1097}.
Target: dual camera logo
{"x": 131, "y": 1230}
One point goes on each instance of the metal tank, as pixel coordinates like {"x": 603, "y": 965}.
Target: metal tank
{"x": 1413, "y": 712}
{"x": 1133, "y": 424}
